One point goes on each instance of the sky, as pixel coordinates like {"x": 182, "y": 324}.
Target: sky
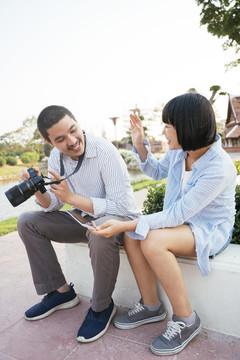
{"x": 100, "y": 58}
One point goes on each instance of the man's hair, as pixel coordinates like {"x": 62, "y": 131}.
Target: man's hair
{"x": 193, "y": 117}
{"x": 50, "y": 116}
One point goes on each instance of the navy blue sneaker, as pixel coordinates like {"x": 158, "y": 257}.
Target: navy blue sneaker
{"x": 52, "y": 302}
{"x": 96, "y": 324}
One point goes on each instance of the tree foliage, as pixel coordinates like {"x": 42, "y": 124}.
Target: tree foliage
{"x": 222, "y": 18}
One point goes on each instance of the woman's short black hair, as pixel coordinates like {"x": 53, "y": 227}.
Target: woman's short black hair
{"x": 193, "y": 117}
{"x": 50, "y": 116}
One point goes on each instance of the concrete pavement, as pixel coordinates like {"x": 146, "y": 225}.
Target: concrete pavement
{"x": 54, "y": 338}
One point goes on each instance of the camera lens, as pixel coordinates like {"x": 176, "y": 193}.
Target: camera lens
{"x": 19, "y": 193}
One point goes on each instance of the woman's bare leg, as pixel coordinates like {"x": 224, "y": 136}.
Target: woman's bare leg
{"x": 145, "y": 277}
{"x": 159, "y": 249}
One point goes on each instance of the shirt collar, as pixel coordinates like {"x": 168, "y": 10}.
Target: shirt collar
{"x": 209, "y": 154}
{"x": 90, "y": 150}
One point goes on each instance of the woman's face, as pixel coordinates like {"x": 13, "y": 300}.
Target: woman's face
{"x": 171, "y": 135}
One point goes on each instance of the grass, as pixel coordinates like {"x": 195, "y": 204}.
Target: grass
{"x": 143, "y": 184}
{"x": 11, "y": 170}
{"x": 10, "y": 225}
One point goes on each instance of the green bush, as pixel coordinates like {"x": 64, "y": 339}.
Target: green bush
{"x": 154, "y": 200}
{"x": 236, "y": 233}
{"x": 237, "y": 164}
{"x": 2, "y": 161}
{"x": 154, "y": 203}
{"x": 25, "y": 159}
{"x": 11, "y": 160}
{"x": 33, "y": 157}
{"x": 128, "y": 156}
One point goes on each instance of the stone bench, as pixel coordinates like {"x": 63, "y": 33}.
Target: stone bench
{"x": 216, "y": 297}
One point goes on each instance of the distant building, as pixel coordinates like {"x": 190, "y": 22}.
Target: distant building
{"x": 158, "y": 146}
{"x": 231, "y": 134}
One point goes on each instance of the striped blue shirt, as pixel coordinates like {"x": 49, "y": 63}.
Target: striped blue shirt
{"x": 103, "y": 177}
{"x": 207, "y": 203}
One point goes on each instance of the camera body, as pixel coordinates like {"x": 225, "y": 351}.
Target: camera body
{"x": 23, "y": 191}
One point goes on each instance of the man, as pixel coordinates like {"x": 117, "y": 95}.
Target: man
{"x": 98, "y": 188}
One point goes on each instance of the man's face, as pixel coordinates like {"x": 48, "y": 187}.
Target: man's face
{"x": 67, "y": 136}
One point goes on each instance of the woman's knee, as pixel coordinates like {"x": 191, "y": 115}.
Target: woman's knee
{"x": 153, "y": 244}
{"x": 130, "y": 244}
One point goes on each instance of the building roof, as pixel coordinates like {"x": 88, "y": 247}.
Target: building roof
{"x": 233, "y": 117}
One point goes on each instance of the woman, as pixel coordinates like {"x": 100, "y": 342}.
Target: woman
{"x": 197, "y": 218}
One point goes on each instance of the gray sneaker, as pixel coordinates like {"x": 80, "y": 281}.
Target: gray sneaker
{"x": 139, "y": 315}
{"x": 176, "y": 337}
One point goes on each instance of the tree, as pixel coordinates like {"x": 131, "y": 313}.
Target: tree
{"x": 222, "y": 18}
{"x": 215, "y": 89}
{"x": 192, "y": 90}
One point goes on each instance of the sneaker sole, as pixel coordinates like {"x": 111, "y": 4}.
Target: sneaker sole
{"x": 124, "y": 326}
{"x": 177, "y": 349}
{"x": 83, "y": 340}
{"x": 66, "y": 305}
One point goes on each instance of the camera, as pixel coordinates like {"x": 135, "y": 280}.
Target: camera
{"x": 23, "y": 191}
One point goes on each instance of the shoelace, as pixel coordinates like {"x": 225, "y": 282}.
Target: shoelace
{"x": 137, "y": 308}
{"x": 46, "y": 297}
{"x": 174, "y": 328}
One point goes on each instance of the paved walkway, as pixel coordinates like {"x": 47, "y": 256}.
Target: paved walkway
{"x": 54, "y": 338}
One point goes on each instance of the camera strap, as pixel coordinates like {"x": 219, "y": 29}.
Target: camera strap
{"x": 62, "y": 170}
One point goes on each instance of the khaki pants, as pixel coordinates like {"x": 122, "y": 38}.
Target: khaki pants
{"x": 37, "y": 229}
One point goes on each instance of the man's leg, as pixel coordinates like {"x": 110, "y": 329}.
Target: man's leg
{"x": 36, "y": 230}
{"x": 104, "y": 255}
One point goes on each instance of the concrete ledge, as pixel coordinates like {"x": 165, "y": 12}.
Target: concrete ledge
{"x": 215, "y": 297}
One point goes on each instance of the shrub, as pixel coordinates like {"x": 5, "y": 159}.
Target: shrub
{"x": 25, "y": 159}
{"x": 155, "y": 198}
{"x": 237, "y": 164}
{"x": 236, "y": 233}
{"x": 33, "y": 157}
{"x": 2, "y": 161}
{"x": 128, "y": 156}
{"x": 11, "y": 160}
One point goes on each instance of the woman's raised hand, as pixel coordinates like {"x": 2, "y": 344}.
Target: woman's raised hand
{"x": 137, "y": 131}
{"x": 138, "y": 136}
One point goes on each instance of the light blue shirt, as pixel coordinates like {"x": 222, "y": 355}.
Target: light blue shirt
{"x": 102, "y": 177}
{"x": 207, "y": 203}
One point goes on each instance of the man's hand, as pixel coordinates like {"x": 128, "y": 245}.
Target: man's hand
{"x": 61, "y": 190}
{"x": 25, "y": 174}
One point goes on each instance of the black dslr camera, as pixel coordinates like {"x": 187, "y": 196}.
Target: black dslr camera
{"x": 21, "y": 192}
